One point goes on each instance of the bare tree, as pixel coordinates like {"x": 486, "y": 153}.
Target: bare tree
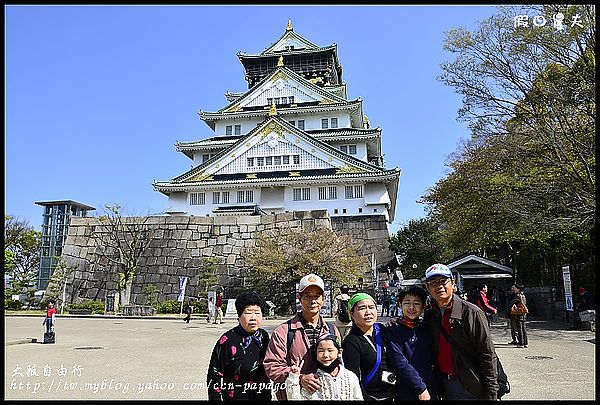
{"x": 122, "y": 241}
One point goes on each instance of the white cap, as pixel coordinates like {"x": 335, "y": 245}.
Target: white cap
{"x": 438, "y": 269}
{"x": 311, "y": 279}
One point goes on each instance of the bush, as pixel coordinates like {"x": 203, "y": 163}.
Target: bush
{"x": 11, "y": 304}
{"x": 199, "y": 307}
{"x": 168, "y": 307}
{"x": 96, "y": 307}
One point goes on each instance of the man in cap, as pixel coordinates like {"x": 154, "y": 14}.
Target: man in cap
{"x": 291, "y": 341}
{"x": 465, "y": 354}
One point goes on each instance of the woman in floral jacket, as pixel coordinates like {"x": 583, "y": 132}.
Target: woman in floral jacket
{"x": 236, "y": 368}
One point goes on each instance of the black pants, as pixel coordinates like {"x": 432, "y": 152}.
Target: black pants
{"x": 519, "y": 324}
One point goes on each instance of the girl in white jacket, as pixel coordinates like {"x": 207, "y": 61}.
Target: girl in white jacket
{"x": 337, "y": 382}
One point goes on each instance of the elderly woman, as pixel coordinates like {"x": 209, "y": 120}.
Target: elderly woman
{"x": 364, "y": 349}
{"x": 236, "y": 368}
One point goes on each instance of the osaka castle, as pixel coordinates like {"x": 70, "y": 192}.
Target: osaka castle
{"x": 292, "y": 141}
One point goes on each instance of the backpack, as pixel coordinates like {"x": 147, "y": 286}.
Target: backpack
{"x": 342, "y": 312}
{"x": 292, "y": 332}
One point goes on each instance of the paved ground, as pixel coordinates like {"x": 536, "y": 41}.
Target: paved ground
{"x": 154, "y": 358}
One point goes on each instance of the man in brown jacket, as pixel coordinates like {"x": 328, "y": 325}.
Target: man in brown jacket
{"x": 301, "y": 332}
{"x": 465, "y": 354}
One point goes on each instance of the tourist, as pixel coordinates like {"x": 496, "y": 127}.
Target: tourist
{"x": 291, "y": 341}
{"x": 364, "y": 349}
{"x": 518, "y": 320}
{"x": 465, "y": 355}
{"x": 410, "y": 350}
{"x": 236, "y": 368}
{"x": 337, "y": 382}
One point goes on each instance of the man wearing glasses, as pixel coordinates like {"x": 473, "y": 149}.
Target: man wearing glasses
{"x": 291, "y": 341}
{"x": 464, "y": 351}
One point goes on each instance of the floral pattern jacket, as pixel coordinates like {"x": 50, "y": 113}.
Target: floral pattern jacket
{"x": 236, "y": 368}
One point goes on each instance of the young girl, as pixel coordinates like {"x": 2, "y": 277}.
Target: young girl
{"x": 337, "y": 382}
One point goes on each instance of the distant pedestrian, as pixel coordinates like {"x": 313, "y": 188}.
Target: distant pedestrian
{"x": 518, "y": 321}
{"x": 188, "y": 312}
{"x": 218, "y": 308}
{"x": 210, "y": 307}
{"x": 50, "y": 318}
{"x": 588, "y": 302}
{"x": 483, "y": 303}
{"x": 340, "y": 310}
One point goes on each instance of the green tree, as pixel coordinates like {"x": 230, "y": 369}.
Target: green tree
{"x": 527, "y": 174}
{"x": 58, "y": 281}
{"x": 418, "y": 243}
{"x": 283, "y": 256}
{"x": 207, "y": 277}
{"x": 21, "y": 256}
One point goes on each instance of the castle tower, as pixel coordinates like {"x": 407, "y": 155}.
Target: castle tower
{"x": 292, "y": 142}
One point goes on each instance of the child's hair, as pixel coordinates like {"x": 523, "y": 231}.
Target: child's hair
{"x": 415, "y": 292}
{"x": 329, "y": 336}
{"x": 51, "y": 301}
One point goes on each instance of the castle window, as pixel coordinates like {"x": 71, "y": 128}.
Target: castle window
{"x": 301, "y": 194}
{"x": 352, "y": 149}
{"x": 324, "y": 123}
{"x": 301, "y": 124}
{"x": 238, "y": 130}
{"x": 353, "y": 192}
{"x": 260, "y": 161}
{"x": 269, "y": 161}
{"x": 277, "y": 160}
{"x": 205, "y": 157}
{"x": 344, "y": 148}
{"x": 286, "y": 159}
{"x": 225, "y": 197}
{"x": 334, "y": 123}
{"x": 328, "y": 193}
{"x": 197, "y": 199}
{"x": 250, "y": 162}
{"x": 228, "y": 130}
{"x": 245, "y": 196}
{"x": 296, "y": 159}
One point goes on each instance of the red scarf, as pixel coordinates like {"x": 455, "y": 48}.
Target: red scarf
{"x": 408, "y": 322}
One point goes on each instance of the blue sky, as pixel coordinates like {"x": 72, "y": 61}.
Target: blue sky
{"x": 97, "y": 96}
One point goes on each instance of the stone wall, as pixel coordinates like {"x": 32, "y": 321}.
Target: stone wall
{"x": 179, "y": 244}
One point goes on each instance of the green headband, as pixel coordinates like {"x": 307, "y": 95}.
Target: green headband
{"x": 358, "y": 297}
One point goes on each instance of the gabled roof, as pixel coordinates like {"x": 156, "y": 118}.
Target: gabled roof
{"x": 328, "y": 165}
{"x": 326, "y": 135}
{"x": 280, "y": 77}
{"x": 473, "y": 265}
{"x": 289, "y": 37}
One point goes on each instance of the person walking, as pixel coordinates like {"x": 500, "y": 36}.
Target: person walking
{"x": 588, "y": 302}
{"x": 465, "y": 355}
{"x": 188, "y": 312}
{"x": 49, "y": 321}
{"x": 483, "y": 303}
{"x": 517, "y": 320}
{"x": 364, "y": 349}
{"x": 291, "y": 341}
{"x": 410, "y": 350}
{"x": 235, "y": 370}
{"x": 337, "y": 382}
{"x": 210, "y": 307}
{"x": 340, "y": 310}
{"x": 219, "y": 308}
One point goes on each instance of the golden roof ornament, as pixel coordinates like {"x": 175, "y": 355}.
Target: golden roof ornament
{"x": 289, "y": 26}
{"x": 280, "y": 61}
{"x": 273, "y": 110}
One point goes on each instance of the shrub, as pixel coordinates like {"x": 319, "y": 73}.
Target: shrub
{"x": 199, "y": 307}
{"x": 168, "y": 307}
{"x": 11, "y": 304}
{"x": 97, "y": 307}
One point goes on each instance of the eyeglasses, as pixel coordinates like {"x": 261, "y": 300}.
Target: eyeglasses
{"x": 437, "y": 283}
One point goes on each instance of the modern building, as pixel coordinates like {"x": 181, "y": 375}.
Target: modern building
{"x": 55, "y": 228}
{"x": 292, "y": 142}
